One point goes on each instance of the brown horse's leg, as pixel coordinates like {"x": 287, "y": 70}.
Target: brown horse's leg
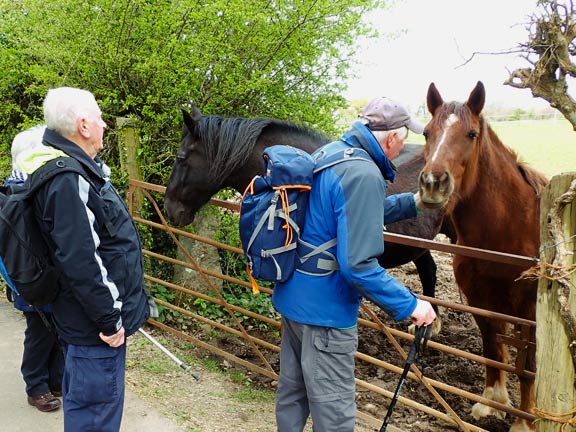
{"x": 495, "y": 387}
{"x": 527, "y": 397}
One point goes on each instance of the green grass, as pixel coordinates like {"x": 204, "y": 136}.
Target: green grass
{"x": 249, "y": 394}
{"x": 547, "y": 145}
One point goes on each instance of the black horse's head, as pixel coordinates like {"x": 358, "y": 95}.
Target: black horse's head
{"x": 218, "y": 152}
{"x": 188, "y": 188}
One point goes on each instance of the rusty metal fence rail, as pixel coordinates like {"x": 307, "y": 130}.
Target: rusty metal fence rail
{"x": 262, "y": 349}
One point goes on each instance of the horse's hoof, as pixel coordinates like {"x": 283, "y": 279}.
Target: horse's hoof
{"x": 436, "y": 327}
{"x": 479, "y": 411}
{"x": 521, "y": 425}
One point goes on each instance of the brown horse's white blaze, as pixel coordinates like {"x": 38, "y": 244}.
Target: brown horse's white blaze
{"x": 493, "y": 201}
{"x": 438, "y": 183}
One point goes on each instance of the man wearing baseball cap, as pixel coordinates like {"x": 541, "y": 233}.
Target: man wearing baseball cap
{"x": 347, "y": 202}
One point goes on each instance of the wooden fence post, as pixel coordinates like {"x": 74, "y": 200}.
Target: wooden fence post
{"x": 128, "y": 144}
{"x": 556, "y": 308}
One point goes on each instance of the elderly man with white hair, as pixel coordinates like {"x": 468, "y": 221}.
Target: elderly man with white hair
{"x": 94, "y": 243}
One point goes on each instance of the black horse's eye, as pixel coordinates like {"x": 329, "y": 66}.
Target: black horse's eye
{"x": 472, "y": 134}
{"x": 181, "y": 156}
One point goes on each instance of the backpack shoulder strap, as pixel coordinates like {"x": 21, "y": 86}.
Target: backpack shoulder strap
{"x": 52, "y": 168}
{"x": 4, "y": 191}
{"x": 325, "y": 159}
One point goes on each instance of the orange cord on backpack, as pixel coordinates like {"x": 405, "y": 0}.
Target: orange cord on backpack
{"x": 286, "y": 209}
{"x": 255, "y": 287}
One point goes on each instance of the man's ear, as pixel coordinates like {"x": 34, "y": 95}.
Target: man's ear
{"x": 82, "y": 127}
{"x": 389, "y": 138}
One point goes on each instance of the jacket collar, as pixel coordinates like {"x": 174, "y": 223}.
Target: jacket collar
{"x": 54, "y": 139}
{"x": 359, "y": 135}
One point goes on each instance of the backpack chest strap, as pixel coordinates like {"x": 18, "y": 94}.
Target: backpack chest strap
{"x": 316, "y": 260}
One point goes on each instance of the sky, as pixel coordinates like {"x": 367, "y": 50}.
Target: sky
{"x": 440, "y": 36}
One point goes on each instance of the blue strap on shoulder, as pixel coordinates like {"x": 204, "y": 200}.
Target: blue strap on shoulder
{"x": 6, "y": 277}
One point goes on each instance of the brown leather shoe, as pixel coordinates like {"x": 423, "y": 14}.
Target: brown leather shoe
{"x": 57, "y": 393}
{"x": 46, "y": 402}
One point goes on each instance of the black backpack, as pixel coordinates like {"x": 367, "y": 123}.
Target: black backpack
{"x": 25, "y": 258}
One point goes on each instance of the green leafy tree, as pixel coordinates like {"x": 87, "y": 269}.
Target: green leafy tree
{"x": 287, "y": 59}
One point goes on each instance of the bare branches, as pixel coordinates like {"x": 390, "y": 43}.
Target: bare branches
{"x": 551, "y": 53}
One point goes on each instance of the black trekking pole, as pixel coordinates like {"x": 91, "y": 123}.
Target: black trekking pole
{"x": 169, "y": 354}
{"x": 416, "y": 348}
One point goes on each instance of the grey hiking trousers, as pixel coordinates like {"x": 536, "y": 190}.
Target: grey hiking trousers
{"x": 316, "y": 378}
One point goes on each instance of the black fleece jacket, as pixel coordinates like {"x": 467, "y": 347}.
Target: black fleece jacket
{"x": 96, "y": 246}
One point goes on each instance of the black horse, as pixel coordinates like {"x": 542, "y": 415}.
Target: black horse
{"x": 217, "y": 152}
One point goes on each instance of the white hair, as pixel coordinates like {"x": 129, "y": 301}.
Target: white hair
{"x": 27, "y": 140}
{"x": 381, "y": 135}
{"x": 63, "y": 106}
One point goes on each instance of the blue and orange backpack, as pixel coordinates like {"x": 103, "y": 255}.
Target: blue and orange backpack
{"x": 273, "y": 211}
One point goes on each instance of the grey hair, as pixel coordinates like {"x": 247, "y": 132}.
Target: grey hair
{"x": 63, "y": 106}
{"x": 381, "y": 135}
{"x": 26, "y": 140}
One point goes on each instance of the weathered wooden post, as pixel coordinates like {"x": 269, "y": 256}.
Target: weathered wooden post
{"x": 556, "y": 308}
{"x": 128, "y": 144}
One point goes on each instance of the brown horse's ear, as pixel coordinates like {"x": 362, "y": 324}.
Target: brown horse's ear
{"x": 477, "y": 99}
{"x": 433, "y": 100}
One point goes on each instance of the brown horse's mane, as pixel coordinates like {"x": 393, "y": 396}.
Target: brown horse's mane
{"x": 532, "y": 176}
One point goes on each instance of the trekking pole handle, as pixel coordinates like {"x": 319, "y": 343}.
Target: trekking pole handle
{"x": 421, "y": 337}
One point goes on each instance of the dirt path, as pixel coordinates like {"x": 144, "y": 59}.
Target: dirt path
{"x": 17, "y": 416}
{"x": 216, "y": 402}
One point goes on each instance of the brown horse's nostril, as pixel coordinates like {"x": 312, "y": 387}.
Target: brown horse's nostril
{"x": 444, "y": 183}
{"x": 427, "y": 181}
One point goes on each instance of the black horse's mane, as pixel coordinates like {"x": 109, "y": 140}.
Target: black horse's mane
{"x": 229, "y": 141}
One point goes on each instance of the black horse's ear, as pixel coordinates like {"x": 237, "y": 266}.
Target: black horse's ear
{"x": 191, "y": 120}
{"x": 196, "y": 114}
{"x": 477, "y": 98}
{"x": 433, "y": 100}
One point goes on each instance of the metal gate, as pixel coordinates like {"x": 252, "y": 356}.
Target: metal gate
{"x": 262, "y": 349}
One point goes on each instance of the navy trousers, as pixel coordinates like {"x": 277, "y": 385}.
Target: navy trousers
{"x": 43, "y": 359}
{"x": 93, "y": 388}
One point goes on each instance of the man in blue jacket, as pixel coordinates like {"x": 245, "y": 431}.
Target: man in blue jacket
{"x": 320, "y": 312}
{"x": 94, "y": 243}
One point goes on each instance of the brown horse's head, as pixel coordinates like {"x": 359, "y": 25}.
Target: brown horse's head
{"x": 451, "y": 142}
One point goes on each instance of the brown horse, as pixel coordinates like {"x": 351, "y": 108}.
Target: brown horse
{"x": 493, "y": 200}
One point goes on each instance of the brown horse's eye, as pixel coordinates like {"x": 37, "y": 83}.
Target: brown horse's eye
{"x": 473, "y": 134}
{"x": 426, "y": 134}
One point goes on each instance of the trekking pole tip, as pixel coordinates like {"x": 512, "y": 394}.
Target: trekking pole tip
{"x": 187, "y": 369}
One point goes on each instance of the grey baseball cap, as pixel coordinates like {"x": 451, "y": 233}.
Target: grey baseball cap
{"x": 383, "y": 114}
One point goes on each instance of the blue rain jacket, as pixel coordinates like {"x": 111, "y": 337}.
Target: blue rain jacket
{"x": 348, "y": 201}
